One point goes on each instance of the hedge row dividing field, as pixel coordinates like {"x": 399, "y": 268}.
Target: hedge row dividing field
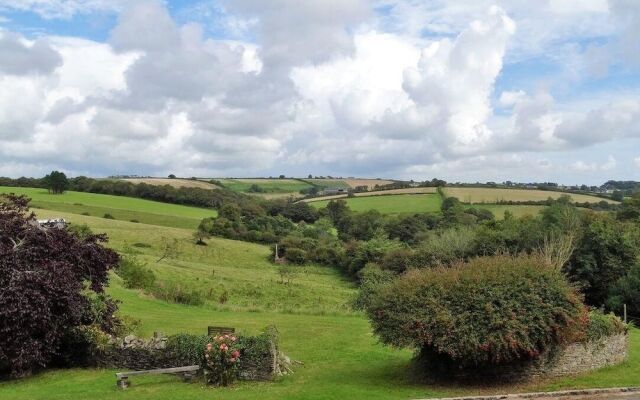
{"x": 341, "y": 359}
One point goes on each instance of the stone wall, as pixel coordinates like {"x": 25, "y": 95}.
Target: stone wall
{"x": 133, "y": 353}
{"x": 559, "y": 361}
{"x": 582, "y": 357}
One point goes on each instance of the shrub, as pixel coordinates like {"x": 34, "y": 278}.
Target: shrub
{"x": 135, "y": 221}
{"x": 186, "y": 349}
{"x": 81, "y": 231}
{"x": 371, "y": 278}
{"x": 85, "y": 213}
{"x": 492, "y": 310}
{"x": 174, "y": 293}
{"x": 108, "y": 216}
{"x": 43, "y": 276}
{"x": 295, "y": 255}
{"x": 446, "y": 247}
{"x": 135, "y": 274}
{"x": 626, "y": 291}
{"x": 603, "y": 325}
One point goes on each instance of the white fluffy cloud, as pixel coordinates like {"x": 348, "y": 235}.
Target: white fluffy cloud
{"x": 410, "y": 91}
{"x": 62, "y": 8}
{"x": 581, "y": 166}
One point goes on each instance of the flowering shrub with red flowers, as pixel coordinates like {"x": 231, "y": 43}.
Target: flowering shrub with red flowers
{"x": 221, "y": 360}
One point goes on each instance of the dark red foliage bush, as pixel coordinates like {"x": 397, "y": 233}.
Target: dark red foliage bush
{"x": 44, "y": 276}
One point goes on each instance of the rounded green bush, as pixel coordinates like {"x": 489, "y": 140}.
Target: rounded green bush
{"x": 491, "y": 310}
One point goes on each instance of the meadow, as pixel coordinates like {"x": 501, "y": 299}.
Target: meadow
{"x": 347, "y": 183}
{"x": 177, "y": 182}
{"x": 474, "y": 195}
{"x": 420, "y": 190}
{"x": 341, "y": 358}
{"x": 241, "y": 271}
{"x": 120, "y": 207}
{"x": 267, "y": 185}
{"x": 392, "y": 204}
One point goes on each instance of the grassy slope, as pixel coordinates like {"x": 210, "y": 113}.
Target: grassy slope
{"x": 392, "y": 204}
{"x": 489, "y": 195}
{"x": 241, "y": 269}
{"x": 122, "y": 208}
{"x": 177, "y": 182}
{"x": 268, "y": 185}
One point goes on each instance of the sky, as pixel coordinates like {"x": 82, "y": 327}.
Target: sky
{"x": 465, "y": 90}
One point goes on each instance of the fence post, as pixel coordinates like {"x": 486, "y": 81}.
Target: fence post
{"x": 624, "y": 307}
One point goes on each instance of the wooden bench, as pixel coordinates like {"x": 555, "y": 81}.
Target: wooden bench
{"x": 187, "y": 373}
{"x": 220, "y": 330}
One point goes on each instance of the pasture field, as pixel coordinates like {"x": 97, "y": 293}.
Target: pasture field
{"x": 328, "y": 183}
{"x": 347, "y": 182}
{"x": 341, "y": 358}
{"x": 241, "y": 270}
{"x": 120, "y": 207}
{"x": 473, "y": 195}
{"x": 177, "y": 183}
{"x": 422, "y": 190}
{"x": 371, "y": 183}
{"x": 266, "y": 184}
{"x": 392, "y": 204}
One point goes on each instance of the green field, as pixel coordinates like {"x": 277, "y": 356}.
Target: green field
{"x": 392, "y": 204}
{"x": 240, "y": 269}
{"x": 341, "y": 358}
{"x": 267, "y": 185}
{"x": 120, "y": 207}
{"x": 329, "y": 183}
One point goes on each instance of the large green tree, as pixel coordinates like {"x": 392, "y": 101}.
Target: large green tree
{"x": 56, "y": 182}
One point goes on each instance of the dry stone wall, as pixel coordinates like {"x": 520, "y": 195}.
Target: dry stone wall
{"x": 571, "y": 359}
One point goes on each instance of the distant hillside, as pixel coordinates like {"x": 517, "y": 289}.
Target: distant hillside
{"x": 188, "y": 183}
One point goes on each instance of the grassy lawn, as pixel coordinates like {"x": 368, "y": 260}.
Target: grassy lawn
{"x": 120, "y": 207}
{"x": 267, "y": 185}
{"x": 392, "y": 204}
{"x": 489, "y": 195}
{"x": 341, "y": 361}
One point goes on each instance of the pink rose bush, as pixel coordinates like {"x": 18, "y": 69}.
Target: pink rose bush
{"x": 221, "y": 358}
